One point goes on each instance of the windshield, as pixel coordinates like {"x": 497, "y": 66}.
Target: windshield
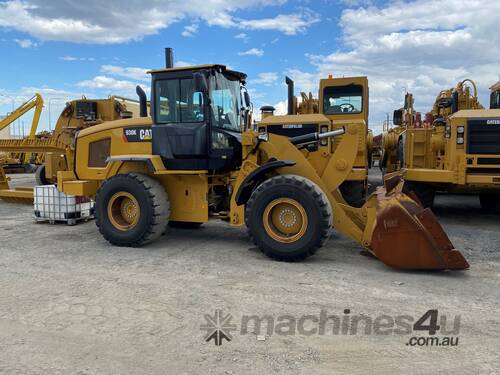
{"x": 343, "y": 99}
{"x": 225, "y": 102}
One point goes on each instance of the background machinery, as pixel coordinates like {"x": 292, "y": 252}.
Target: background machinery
{"x": 197, "y": 156}
{"x": 455, "y": 148}
{"x": 52, "y": 149}
{"x": 341, "y": 100}
{"x": 15, "y": 161}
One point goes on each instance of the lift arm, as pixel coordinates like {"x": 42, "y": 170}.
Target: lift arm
{"x": 35, "y": 102}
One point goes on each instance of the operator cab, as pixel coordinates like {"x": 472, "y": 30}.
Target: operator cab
{"x": 198, "y": 117}
{"x": 343, "y": 98}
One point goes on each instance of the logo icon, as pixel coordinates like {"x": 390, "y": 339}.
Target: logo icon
{"x": 218, "y": 327}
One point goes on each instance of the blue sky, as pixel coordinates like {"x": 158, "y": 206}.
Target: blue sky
{"x": 64, "y": 49}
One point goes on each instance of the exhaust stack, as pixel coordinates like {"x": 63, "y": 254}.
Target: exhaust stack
{"x": 143, "y": 101}
{"x": 169, "y": 58}
{"x": 290, "y": 84}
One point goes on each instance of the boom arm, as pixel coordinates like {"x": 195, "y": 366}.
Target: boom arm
{"x": 35, "y": 102}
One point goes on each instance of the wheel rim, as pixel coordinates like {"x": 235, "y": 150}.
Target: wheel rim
{"x": 285, "y": 220}
{"x": 123, "y": 211}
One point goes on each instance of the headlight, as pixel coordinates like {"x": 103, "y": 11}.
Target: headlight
{"x": 460, "y": 141}
{"x": 460, "y": 129}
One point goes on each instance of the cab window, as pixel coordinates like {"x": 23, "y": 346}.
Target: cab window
{"x": 343, "y": 99}
{"x": 178, "y": 101}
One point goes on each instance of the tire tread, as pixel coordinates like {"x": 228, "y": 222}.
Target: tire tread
{"x": 320, "y": 199}
{"x": 159, "y": 202}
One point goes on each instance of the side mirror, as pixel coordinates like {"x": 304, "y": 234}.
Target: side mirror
{"x": 200, "y": 83}
{"x": 246, "y": 95}
{"x": 397, "y": 117}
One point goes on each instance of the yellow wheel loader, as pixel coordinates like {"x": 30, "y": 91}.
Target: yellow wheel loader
{"x": 341, "y": 100}
{"x": 197, "y": 157}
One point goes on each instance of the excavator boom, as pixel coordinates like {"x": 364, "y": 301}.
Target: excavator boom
{"x": 34, "y": 102}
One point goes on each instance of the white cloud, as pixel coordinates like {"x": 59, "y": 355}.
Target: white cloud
{"x": 289, "y": 24}
{"x": 73, "y": 58}
{"x": 243, "y": 36}
{"x": 190, "y": 30}
{"x": 355, "y": 3}
{"x": 68, "y": 58}
{"x": 266, "y": 78}
{"x": 281, "y": 108}
{"x": 139, "y": 74}
{"x": 415, "y": 46}
{"x": 26, "y": 43}
{"x": 119, "y": 21}
{"x": 252, "y": 52}
{"x": 182, "y": 63}
{"x": 108, "y": 83}
{"x": 304, "y": 81}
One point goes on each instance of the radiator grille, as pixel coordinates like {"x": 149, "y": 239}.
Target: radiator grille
{"x": 483, "y": 136}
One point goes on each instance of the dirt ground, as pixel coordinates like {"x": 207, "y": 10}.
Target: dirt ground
{"x": 72, "y": 304}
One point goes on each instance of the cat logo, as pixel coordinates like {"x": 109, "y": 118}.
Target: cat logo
{"x": 137, "y": 134}
{"x": 493, "y": 122}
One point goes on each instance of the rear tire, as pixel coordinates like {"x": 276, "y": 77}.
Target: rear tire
{"x": 353, "y": 192}
{"x": 288, "y": 217}
{"x": 424, "y": 192}
{"x": 490, "y": 202}
{"x": 40, "y": 177}
{"x": 131, "y": 209}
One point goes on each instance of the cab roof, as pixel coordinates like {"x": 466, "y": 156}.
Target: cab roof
{"x": 223, "y": 68}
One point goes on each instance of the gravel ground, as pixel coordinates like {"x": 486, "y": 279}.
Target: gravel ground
{"x": 72, "y": 304}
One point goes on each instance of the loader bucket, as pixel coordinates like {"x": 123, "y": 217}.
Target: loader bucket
{"x": 407, "y": 236}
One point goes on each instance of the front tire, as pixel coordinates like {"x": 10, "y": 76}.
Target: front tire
{"x": 288, "y": 217}
{"x": 131, "y": 209}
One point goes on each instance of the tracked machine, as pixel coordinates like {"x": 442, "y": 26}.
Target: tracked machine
{"x": 196, "y": 156}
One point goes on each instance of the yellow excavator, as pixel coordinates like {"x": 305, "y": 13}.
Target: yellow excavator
{"x": 19, "y": 160}
{"x": 197, "y": 156}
